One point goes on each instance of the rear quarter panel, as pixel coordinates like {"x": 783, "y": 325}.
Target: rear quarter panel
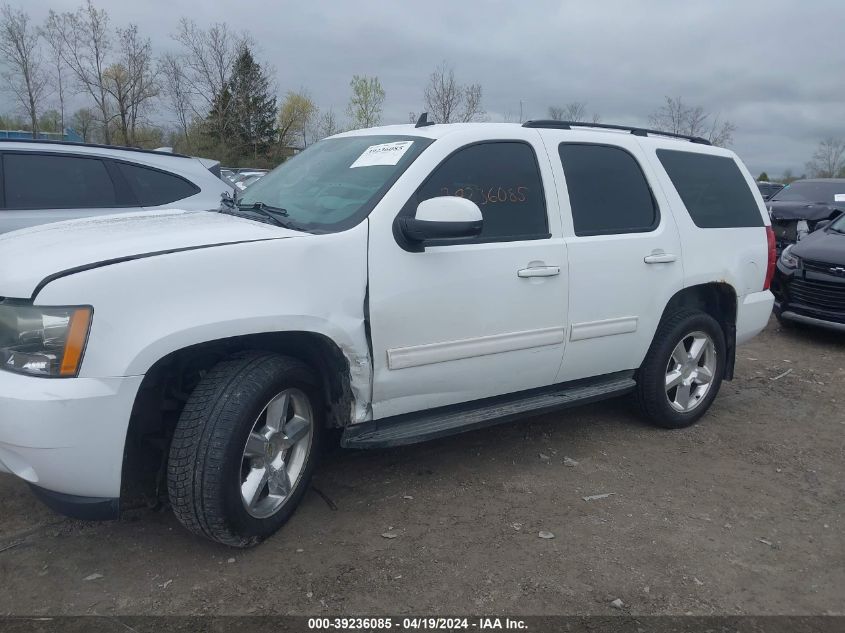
{"x": 736, "y": 256}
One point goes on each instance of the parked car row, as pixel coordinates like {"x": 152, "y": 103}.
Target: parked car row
{"x": 808, "y": 221}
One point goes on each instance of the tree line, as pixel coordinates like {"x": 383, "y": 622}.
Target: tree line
{"x": 209, "y": 95}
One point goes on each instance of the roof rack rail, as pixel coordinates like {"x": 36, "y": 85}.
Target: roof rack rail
{"x": 94, "y": 145}
{"x": 636, "y": 131}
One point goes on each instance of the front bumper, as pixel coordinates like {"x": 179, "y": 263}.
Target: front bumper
{"x": 66, "y": 435}
{"x": 809, "y": 297}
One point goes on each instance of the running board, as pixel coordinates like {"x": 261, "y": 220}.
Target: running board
{"x": 421, "y": 426}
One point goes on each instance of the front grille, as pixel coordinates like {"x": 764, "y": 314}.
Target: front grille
{"x": 821, "y": 294}
{"x": 820, "y": 267}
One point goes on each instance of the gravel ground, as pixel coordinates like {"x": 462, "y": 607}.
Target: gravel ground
{"x": 741, "y": 514}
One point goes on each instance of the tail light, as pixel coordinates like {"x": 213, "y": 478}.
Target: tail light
{"x": 773, "y": 257}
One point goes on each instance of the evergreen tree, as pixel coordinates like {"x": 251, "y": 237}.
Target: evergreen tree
{"x": 252, "y": 107}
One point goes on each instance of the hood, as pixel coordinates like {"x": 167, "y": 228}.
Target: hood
{"x": 822, "y": 246}
{"x": 29, "y": 256}
{"x": 813, "y": 211}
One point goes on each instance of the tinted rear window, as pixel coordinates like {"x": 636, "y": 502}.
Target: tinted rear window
{"x": 712, "y": 188}
{"x": 152, "y": 187}
{"x": 607, "y": 190}
{"x": 41, "y": 181}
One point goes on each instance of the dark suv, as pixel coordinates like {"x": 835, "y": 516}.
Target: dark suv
{"x": 809, "y": 284}
{"x": 797, "y": 209}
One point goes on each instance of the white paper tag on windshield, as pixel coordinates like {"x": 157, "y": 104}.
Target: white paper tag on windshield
{"x": 384, "y": 154}
{"x": 839, "y": 197}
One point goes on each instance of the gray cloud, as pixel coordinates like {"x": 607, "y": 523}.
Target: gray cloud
{"x": 772, "y": 67}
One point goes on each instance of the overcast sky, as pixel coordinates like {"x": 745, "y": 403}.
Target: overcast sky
{"x": 774, "y": 68}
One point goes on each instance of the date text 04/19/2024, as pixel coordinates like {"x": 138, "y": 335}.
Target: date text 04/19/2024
{"x": 418, "y": 623}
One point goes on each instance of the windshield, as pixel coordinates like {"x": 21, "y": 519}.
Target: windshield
{"x": 805, "y": 191}
{"x": 838, "y": 225}
{"x": 334, "y": 183}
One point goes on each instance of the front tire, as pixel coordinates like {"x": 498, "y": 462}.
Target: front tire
{"x": 245, "y": 448}
{"x": 683, "y": 370}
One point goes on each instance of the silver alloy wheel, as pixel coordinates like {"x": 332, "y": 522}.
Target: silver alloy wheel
{"x": 276, "y": 452}
{"x": 690, "y": 371}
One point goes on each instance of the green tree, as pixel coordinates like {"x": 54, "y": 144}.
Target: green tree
{"x": 763, "y": 177}
{"x": 253, "y": 106}
{"x": 296, "y": 114}
{"x": 50, "y": 121}
{"x": 365, "y": 104}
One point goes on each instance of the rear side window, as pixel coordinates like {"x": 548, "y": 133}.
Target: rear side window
{"x": 152, "y": 187}
{"x": 608, "y": 192}
{"x": 712, "y": 188}
{"x": 503, "y": 179}
{"x": 39, "y": 181}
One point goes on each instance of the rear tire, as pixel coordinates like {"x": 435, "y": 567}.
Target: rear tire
{"x": 245, "y": 448}
{"x": 682, "y": 372}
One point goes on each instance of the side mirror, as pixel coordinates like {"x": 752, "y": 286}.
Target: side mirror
{"x": 820, "y": 225}
{"x": 445, "y": 217}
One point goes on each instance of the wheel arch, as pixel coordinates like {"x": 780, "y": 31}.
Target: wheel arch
{"x": 719, "y": 300}
{"x": 170, "y": 380}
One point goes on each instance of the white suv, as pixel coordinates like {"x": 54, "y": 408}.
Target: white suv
{"x": 48, "y": 181}
{"x": 401, "y": 283}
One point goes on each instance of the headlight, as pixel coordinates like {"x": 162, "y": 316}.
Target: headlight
{"x": 788, "y": 259}
{"x": 43, "y": 341}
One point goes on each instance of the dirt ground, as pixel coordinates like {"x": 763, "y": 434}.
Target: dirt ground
{"x": 741, "y": 514}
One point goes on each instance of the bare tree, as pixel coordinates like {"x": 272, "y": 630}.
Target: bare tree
{"x": 52, "y": 34}
{"x": 208, "y": 59}
{"x": 87, "y": 44}
{"x": 327, "y": 124}
{"x": 447, "y": 101}
{"x": 175, "y": 87}
{"x": 131, "y": 81}
{"x": 83, "y": 122}
{"x": 366, "y": 102}
{"x": 573, "y": 111}
{"x": 678, "y": 118}
{"x": 829, "y": 159}
{"x": 472, "y": 110}
{"x": 24, "y": 74}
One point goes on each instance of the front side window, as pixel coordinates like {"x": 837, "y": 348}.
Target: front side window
{"x": 41, "y": 181}
{"x": 333, "y": 184}
{"x": 503, "y": 179}
{"x": 712, "y": 189}
{"x": 608, "y": 192}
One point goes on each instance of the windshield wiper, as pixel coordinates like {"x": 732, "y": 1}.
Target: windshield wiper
{"x": 263, "y": 206}
{"x": 268, "y": 211}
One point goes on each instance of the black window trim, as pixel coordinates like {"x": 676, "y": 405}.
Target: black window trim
{"x": 409, "y": 208}
{"x": 658, "y": 216}
{"x": 123, "y": 197}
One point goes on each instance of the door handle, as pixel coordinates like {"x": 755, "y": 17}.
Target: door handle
{"x": 659, "y": 257}
{"x": 539, "y": 271}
